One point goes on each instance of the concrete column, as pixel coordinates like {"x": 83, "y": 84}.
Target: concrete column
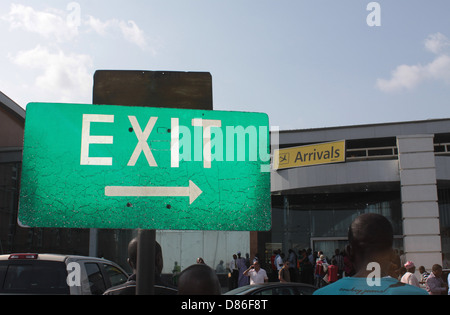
{"x": 420, "y": 210}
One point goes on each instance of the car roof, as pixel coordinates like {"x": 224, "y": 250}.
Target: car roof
{"x": 54, "y": 257}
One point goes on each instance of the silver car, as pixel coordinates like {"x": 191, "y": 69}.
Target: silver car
{"x": 58, "y": 274}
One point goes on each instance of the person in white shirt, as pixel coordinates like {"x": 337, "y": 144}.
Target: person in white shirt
{"x": 256, "y": 273}
{"x": 448, "y": 281}
{"x": 279, "y": 261}
{"x": 409, "y": 277}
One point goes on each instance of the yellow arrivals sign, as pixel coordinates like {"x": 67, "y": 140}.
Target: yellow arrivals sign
{"x": 323, "y": 153}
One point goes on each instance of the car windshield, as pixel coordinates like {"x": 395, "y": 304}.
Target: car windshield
{"x": 33, "y": 277}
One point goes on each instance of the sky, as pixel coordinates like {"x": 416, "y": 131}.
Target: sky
{"x": 306, "y": 63}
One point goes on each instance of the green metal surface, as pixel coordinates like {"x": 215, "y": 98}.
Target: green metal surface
{"x": 105, "y": 166}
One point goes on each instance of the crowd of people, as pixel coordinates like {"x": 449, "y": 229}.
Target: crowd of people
{"x": 306, "y": 267}
{"x": 370, "y": 242}
{"x": 311, "y": 267}
{"x": 315, "y": 268}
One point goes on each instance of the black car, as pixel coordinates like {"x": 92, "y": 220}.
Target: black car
{"x": 274, "y": 288}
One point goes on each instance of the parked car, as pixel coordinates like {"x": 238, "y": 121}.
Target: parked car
{"x": 274, "y": 288}
{"x": 58, "y": 274}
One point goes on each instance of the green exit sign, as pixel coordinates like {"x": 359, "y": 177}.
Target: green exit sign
{"x": 121, "y": 167}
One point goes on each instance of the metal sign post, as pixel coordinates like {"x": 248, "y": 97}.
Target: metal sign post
{"x": 145, "y": 274}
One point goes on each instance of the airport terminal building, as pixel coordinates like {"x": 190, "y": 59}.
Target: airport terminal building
{"x": 400, "y": 170}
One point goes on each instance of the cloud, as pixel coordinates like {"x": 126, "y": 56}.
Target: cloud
{"x": 407, "y": 77}
{"x": 98, "y": 26}
{"x": 129, "y": 30}
{"x": 55, "y": 73}
{"x": 403, "y": 76}
{"x": 64, "y": 26}
{"x": 66, "y": 76}
{"x": 50, "y": 24}
{"x": 134, "y": 34}
{"x": 437, "y": 43}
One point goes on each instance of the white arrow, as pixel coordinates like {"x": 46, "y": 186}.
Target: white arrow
{"x": 192, "y": 191}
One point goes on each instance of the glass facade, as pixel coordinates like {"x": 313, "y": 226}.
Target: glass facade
{"x": 444, "y": 222}
{"x": 321, "y": 221}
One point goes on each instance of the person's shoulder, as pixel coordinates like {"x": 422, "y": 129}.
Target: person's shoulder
{"x": 405, "y": 277}
{"x": 400, "y": 288}
{"x": 359, "y": 286}
{"x": 431, "y": 277}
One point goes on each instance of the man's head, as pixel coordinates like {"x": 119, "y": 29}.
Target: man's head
{"x": 410, "y": 267}
{"x": 132, "y": 256}
{"x": 200, "y": 260}
{"x": 132, "y": 253}
{"x": 437, "y": 270}
{"x": 370, "y": 239}
{"x": 198, "y": 279}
